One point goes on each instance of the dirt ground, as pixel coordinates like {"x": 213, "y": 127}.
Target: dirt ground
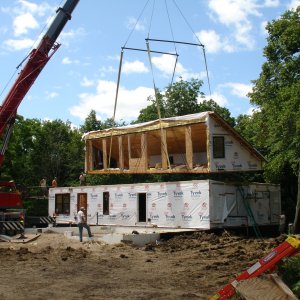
{"x": 183, "y": 267}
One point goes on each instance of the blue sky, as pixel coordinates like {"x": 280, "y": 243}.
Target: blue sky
{"x": 82, "y": 74}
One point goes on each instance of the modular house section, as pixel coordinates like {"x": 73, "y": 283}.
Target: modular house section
{"x": 196, "y": 143}
{"x": 200, "y": 204}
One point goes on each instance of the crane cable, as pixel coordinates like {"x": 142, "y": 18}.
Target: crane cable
{"x": 137, "y": 21}
{"x": 203, "y": 48}
{"x": 115, "y": 106}
{"x": 171, "y": 29}
{"x": 163, "y": 141}
{"x": 119, "y": 79}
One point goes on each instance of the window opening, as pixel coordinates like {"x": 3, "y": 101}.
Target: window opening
{"x": 62, "y": 204}
{"x": 142, "y": 207}
{"x": 105, "y": 203}
{"x": 218, "y": 147}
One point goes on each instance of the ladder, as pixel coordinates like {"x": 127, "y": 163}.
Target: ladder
{"x": 249, "y": 212}
{"x": 289, "y": 247}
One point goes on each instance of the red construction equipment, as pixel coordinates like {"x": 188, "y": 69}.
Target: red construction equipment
{"x": 288, "y": 248}
{"x": 37, "y": 59}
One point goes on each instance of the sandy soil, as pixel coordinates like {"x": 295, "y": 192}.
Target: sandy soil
{"x": 184, "y": 267}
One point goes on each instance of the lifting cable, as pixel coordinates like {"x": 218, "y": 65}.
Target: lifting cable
{"x": 171, "y": 29}
{"x": 163, "y": 142}
{"x": 149, "y": 55}
{"x": 137, "y": 21}
{"x": 119, "y": 78}
{"x": 115, "y": 106}
{"x": 164, "y": 146}
{"x": 203, "y": 47}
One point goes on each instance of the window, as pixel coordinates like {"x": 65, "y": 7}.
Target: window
{"x": 105, "y": 203}
{"x": 62, "y": 204}
{"x": 218, "y": 147}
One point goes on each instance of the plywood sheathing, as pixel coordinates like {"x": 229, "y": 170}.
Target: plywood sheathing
{"x": 130, "y": 147}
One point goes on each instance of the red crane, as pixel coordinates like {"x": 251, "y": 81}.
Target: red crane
{"x": 36, "y": 61}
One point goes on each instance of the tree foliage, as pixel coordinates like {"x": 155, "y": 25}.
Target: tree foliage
{"x": 91, "y": 123}
{"x": 276, "y": 125}
{"x": 43, "y": 149}
{"x": 277, "y": 92}
{"x": 181, "y": 98}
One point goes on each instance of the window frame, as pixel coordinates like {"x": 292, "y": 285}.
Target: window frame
{"x": 105, "y": 203}
{"x": 218, "y": 146}
{"x": 63, "y": 207}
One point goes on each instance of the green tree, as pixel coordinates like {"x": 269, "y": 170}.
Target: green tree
{"x": 43, "y": 149}
{"x": 59, "y": 151}
{"x": 91, "y": 123}
{"x": 276, "y": 93}
{"x": 182, "y": 97}
{"x": 150, "y": 112}
{"x": 17, "y": 162}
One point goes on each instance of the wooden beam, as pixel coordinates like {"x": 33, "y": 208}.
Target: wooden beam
{"x": 104, "y": 150}
{"x": 188, "y": 146}
{"x": 164, "y": 149}
{"x": 89, "y": 155}
{"x": 121, "y": 153}
{"x": 144, "y": 152}
{"x": 129, "y": 148}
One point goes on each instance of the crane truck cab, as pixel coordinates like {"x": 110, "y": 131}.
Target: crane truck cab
{"x": 11, "y": 211}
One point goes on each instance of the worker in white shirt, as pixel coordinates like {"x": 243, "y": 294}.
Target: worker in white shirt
{"x": 81, "y": 220}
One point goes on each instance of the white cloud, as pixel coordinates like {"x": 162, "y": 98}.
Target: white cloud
{"x": 134, "y": 67}
{"x": 66, "y": 36}
{"x": 263, "y": 28}
{"x": 130, "y": 102}
{"x": 242, "y": 35}
{"x": 293, "y": 4}
{"x": 234, "y": 88}
{"x": 271, "y": 3}
{"x": 132, "y": 23}
{"x": 23, "y": 23}
{"x": 236, "y": 14}
{"x": 238, "y": 89}
{"x": 15, "y": 45}
{"x": 34, "y": 8}
{"x": 217, "y": 97}
{"x": 86, "y": 82}
{"x": 67, "y": 61}
{"x": 51, "y": 95}
{"x": 106, "y": 70}
{"x": 166, "y": 63}
{"x": 212, "y": 41}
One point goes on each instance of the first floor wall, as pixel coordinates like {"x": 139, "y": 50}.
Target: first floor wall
{"x": 173, "y": 204}
{"x": 201, "y": 204}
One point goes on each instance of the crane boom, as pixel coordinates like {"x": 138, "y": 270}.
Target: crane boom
{"x": 36, "y": 61}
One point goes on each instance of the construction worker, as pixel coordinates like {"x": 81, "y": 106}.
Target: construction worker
{"x": 54, "y": 182}
{"x": 82, "y": 223}
{"x": 43, "y": 185}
